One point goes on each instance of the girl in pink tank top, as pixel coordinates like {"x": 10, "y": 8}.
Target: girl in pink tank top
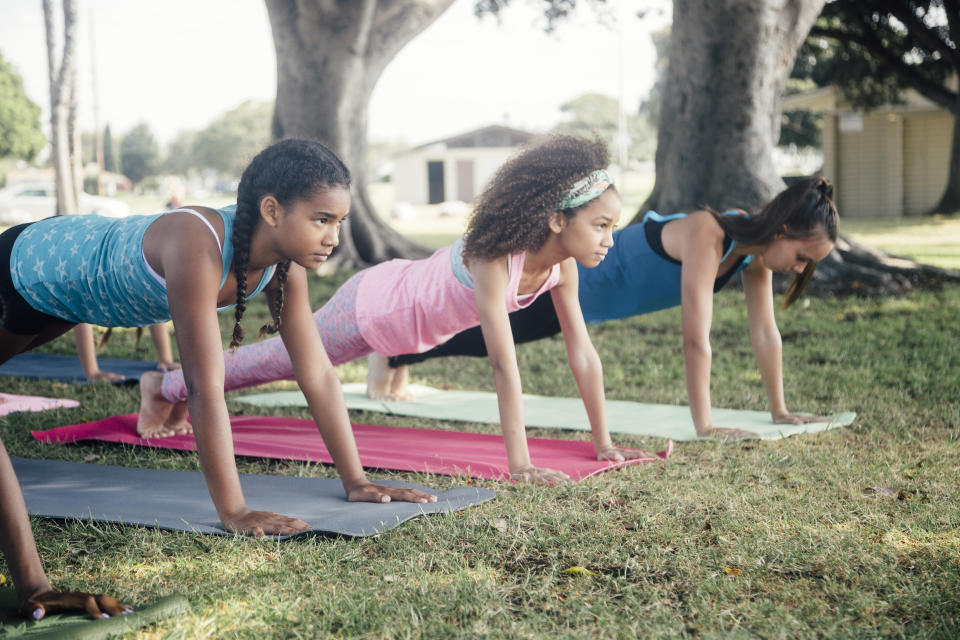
{"x": 549, "y": 207}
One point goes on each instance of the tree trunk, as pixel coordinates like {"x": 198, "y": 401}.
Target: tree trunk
{"x": 720, "y": 120}
{"x": 61, "y": 66}
{"x": 720, "y": 117}
{"x": 950, "y": 200}
{"x": 329, "y": 57}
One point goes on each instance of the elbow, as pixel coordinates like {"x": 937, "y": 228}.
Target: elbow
{"x": 203, "y": 392}
{"x": 696, "y": 348}
{"x": 585, "y": 363}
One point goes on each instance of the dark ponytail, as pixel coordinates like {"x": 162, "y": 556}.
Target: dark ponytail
{"x": 289, "y": 170}
{"x": 799, "y": 211}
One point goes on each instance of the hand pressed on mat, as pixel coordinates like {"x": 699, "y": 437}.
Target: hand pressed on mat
{"x": 795, "y": 418}
{"x": 370, "y": 492}
{"x": 259, "y": 523}
{"x": 619, "y": 454}
{"x": 98, "y": 606}
{"x": 535, "y": 475}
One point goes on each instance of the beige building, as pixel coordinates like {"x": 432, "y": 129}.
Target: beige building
{"x": 454, "y": 168}
{"x": 891, "y": 161}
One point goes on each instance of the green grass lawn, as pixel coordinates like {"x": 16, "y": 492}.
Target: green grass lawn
{"x": 726, "y": 539}
{"x": 929, "y": 239}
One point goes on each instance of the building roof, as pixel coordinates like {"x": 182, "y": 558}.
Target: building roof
{"x": 830, "y": 100}
{"x": 490, "y": 136}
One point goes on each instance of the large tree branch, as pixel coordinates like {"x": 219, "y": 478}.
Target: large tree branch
{"x": 953, "y": 20}
{"x": 923, "y": 34}
{"x": 908, "y": 74}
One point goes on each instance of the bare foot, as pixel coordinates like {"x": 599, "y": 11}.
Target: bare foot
{"x": 154, "y": 408}
{"x": 378, "y": 377}
{"x": 176, "y": 422}
{"x": 399, "y": 384}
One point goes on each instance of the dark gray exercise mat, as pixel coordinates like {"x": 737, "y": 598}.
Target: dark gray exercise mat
{"x": 179, "y": 501}
{"x": 52, "y": 366}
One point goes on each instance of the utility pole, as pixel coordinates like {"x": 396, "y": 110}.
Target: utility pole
{"x": 97, "y": 132}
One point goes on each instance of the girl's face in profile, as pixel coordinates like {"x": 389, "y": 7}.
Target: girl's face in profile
{"x": 588, "y": 235}
{"x": 785, "y": 255}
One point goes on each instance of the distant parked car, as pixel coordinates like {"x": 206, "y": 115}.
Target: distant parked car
{"x": 32, "y": 201}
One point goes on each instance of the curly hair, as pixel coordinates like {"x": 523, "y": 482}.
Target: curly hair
{"x": 289, "y": 170}
{"x": 513, "y": 212}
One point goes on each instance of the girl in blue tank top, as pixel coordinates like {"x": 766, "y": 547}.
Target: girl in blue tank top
{"x": 683, "y": 259}
{"x": 185, "y": 265}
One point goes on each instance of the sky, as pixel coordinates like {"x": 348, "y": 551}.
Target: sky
{"x": 180, "y": 64}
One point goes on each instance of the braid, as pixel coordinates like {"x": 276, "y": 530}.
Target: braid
{"x": 242, "y": 231}
{"x": 289, "y": 170}
{"x": 276, "y": 305}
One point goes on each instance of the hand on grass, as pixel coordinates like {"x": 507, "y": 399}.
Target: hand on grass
{"x": 168, "y": 365}
{"x": 533, "y": 475}
{"x": 619, "y": 454}
{"x": 726, "y": 433}
{"x": 371, "y": 492}
{"x": 104, "y": 376}
{"x": 793, "y": 418}
{"x": 260, "y": 523}
{"x": 97, "y": 605}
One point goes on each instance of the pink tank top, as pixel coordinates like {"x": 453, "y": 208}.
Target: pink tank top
{"x": 411, "y": 306}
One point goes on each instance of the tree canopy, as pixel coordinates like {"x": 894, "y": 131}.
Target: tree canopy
{"x": 139, "y": 153}
{"x": 596, "y": 113}
{"x": 231, "y": 141}
{"x": 20, "y": 133}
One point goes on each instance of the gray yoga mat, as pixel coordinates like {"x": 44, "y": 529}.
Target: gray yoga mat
{"x": 634, "y": 418}
{"x": 52, "y": 366}
{"x": 179, "y": 501}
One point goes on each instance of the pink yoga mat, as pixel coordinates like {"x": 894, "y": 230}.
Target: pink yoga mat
{"x": 426, "y": 450}
{"x": 12, "y": 404}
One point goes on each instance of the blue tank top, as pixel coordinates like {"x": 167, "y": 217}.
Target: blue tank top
{"x": 637, "y": 276}
{"x": 88, "y": 268}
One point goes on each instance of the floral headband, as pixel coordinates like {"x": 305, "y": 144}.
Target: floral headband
{"x": 586, "y": 189}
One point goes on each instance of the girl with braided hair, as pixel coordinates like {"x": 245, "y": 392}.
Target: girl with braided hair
{"x": 548, "y": 208}
{"x": 683, "y": 259}
{"x": 184, "y": 265}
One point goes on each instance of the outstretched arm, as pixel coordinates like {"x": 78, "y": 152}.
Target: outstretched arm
{"x": 766, "y": 342}
{"x": 192, "y": 268}
{"x": 321, "y": 387}
{"x": 87, "y": 352}
{"x": 161, "y": 340}
{"x": 490, "y": 279}
{"x": 34, "y": 593}
{"x": 700, "y": 252}
{"x": 584, "y": 362}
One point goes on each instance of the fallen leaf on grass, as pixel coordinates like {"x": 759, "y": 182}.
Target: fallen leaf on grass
{"x": 732, "y": 571}
{"x": 389, "y": 578}
{"x": 888, "y": 492}
{"x": 3, "y": 580}
{"x": 91, "y": 457}
{"x": 579, "y": 571}
{"x": 500, "y": 524}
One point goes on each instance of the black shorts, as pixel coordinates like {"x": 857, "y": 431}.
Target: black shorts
{"x": 16, "y": 314}
{"x": 534, "y": 322}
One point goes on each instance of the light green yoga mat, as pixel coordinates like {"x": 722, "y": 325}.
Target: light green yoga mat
{"x": 659, "y": 420}
{"x": 79, "y": 626}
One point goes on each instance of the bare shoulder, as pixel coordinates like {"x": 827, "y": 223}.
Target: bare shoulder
{"x": 178, "y": 238}
{"x": 698, "y": 233}
{"x": 703, "y": 222}
{"x": 568, "y": 272}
